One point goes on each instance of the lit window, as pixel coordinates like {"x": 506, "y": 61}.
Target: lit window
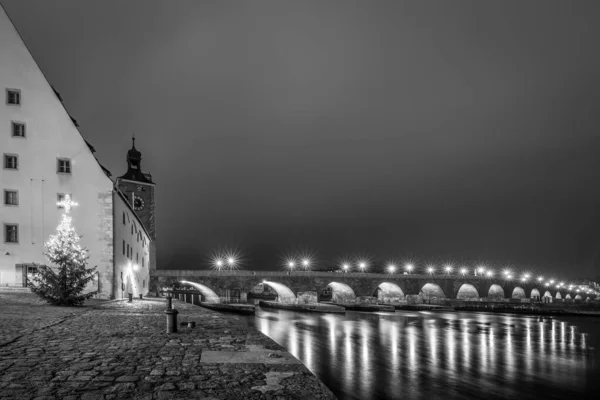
{"x": 60, "y": 197}
{"x": 64, "y": 166}
{"x": 11, "y": 233}
{"x": 11, "y": 198}
{"x": 11, "y": 161}
{"x": 18, "y": 129}
{"x": 13, "y": 96}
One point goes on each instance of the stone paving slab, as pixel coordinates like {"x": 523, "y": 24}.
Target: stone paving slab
{"x": 119, "y": 350}
{"x": 249, "y": 357}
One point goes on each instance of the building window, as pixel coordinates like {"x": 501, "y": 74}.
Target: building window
{"x": 144, "y": 284}
{"x": 60, "y": 197}
{"x": 143, "y": 259}
{"x": 137, "y": 258}
{"x": 11, "y": 233}
{"x": 11, "y": 161}
{"x": 63, "y": 166}
{"x": 123, "y": 247}
{"x": 127, "y": 250}
{"x": 11, "y": 198}
{"x": 18, "y": 129}
{"x": 13, "y": 96}
{"x": 123, "y": 217}
{"x": 132, "y": 229}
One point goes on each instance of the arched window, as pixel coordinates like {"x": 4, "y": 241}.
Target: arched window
{"x": 123, "y": 217}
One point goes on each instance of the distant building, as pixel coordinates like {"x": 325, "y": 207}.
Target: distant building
{"x": 45, "y": 157}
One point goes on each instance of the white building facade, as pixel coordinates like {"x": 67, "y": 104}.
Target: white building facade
{"x": 44, "y": 157}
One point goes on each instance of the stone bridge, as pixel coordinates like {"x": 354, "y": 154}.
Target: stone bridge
{"x": 291, "y": 287}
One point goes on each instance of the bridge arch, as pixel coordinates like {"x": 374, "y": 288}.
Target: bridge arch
{"x": 284, "y": 293}
{"x": 578, "y": 297}
{"x": 432, "y": 291}
{"x": 209, "y": 295}
{"x": 339, "y": 293}
{"x": 518, "y": 293}
{"x": 568, "y": 296}
{"x": 467, "y": 292}
{"x": 535, "y": 294}
{"x": 388, "y": 292}
{"x": 496, "y": 292}
{"x": 558, "y": 296}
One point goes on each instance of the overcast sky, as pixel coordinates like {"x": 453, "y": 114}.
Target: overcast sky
{"x": 437, "y": 130}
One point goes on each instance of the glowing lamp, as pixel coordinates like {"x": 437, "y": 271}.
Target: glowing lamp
{"x": 463, "y": 271}
{"x": 409, "y": 267}
{"x": 305, "y": 263}
{"x": 490, "y": 274}
{"x": 392, "y": 269}
{"x": 448, "y": 269}
{"x": 291, "y": 264}
{"x": 430, "y": 270}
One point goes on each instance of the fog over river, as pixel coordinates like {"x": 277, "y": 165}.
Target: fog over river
{"x": 442, "y": 355}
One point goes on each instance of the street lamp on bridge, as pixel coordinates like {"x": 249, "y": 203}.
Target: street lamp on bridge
{"x": 448, "y": 269}
{"x": 362, "y": 266}
{"x": 409, "y": 267}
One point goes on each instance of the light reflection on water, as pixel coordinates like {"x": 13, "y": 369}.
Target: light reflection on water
{"x": 441, "y": 355}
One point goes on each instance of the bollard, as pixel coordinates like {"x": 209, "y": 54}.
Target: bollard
{"x": 130, "y": 297}
{"x": 141, "y": 297}
{"x": 171, "y": 320}
{"x": 169, "y": 306}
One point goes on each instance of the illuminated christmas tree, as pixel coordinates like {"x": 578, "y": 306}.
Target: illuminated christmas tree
{"x": 64, "y": 285}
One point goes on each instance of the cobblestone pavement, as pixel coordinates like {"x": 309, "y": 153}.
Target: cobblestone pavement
{"x": 119, "y": 350}
{"x": 22, "y": 313}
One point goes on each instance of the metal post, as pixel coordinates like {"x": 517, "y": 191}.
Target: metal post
{"x": 130, "y": 297}
{"x": 141, "y": 297}
{"x": 171, "y": 320}
{"x": 169, "y": 305}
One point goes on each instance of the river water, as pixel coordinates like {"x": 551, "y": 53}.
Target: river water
{"x": 442, "y": 355}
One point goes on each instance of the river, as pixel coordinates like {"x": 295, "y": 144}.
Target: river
{"x": 442, "y": 355}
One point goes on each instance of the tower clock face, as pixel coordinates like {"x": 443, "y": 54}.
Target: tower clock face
{"x": 138, "y": 204}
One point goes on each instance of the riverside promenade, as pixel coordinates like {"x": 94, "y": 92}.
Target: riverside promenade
{"x": 119, "y": 350}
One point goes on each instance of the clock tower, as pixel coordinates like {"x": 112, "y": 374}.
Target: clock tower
{"x": 138, "y": 187}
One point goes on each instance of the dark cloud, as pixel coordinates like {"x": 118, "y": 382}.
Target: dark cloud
{"x": 464, "y": 130}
